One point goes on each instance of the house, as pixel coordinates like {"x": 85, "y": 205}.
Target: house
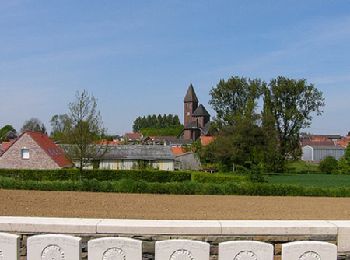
{"x": 133, "y": 138}
{"x": 316, "y": 153}
{"x": 34, "y": 150}
{"x": 196, "y": 117}
{"x": 127, "y": 157}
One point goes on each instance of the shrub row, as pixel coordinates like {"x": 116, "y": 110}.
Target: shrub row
{"x": 99, "y": 175}
{"x": 187, "y": 188}
{"x": 112, "y": 175}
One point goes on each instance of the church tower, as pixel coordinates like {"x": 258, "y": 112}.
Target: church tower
{"x": 190, "y": 105}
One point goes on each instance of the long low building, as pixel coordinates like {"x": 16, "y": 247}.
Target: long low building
{"x": 127, "y": 157}
{"x": 316, "y": 153}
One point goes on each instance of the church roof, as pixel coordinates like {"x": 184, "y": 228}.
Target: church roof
{"x": 200, "y": 111}
{"x": 191, "y": 95}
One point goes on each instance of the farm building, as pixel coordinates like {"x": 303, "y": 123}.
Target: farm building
{"x": 127, "y": 157}
{"x": 316, "y": 153}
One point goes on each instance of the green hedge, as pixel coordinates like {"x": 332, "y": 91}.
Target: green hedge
{"x": 99, "y": 175}
{"x": 218, "y": 178}
{"x": 187, "y": 187}
{"x": 112, "y": 175}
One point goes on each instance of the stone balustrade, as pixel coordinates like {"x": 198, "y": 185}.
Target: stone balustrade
{"x": 103, "y": 239}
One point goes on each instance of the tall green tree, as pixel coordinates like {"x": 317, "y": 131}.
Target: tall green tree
{"x": 240, "y": 139}
{"x": 293, "y": 103}
{"x": 230, "y": 98}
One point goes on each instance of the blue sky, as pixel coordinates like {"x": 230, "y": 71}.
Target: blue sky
{"x": 138, "y": 57}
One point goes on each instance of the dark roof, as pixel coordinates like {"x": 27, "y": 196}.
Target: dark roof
{"x": 200, "y": 111}
{"x": 191, "y": 95}
{"x": 139, "y": 152}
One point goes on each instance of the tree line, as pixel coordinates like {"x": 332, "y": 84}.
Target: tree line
{"x": 155, "y": 121}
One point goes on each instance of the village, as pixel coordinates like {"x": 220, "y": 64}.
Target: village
{"x": 35, "y": 150}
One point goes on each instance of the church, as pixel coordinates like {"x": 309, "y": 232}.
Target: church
{"x": 196, "y": 117}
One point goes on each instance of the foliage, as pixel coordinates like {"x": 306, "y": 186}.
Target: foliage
{"x": 245, "y": 137}
{"x": 317, "y": 180}
{"x": 328, "y": 165}
{"x": 301, "y": 167}
{"x": 60, "y": 125}
{"x": 156, "y": 122}
{"x": 168, "y": 131}
{"x": 100, "y": 175}
{"x": 232, "y": 97}
{"x": 6, "y": 132}
{"x": 33, "y": 125}
{"x": 84, "y": 130}
{"x": 187, "y": 187}
{"x": 240, "y": 139}
{"x": 292, "y": 103}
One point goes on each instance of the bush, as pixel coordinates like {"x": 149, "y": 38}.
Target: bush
{"x": 328, "y": 165}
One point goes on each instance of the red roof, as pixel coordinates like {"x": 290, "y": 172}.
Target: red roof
{"x": 6, "y": 145}
{"x": 54, "y": 151}
{"x": 176, "y": 150}
{"x": 133, "y": 136}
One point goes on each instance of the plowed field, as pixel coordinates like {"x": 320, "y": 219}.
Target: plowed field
{"x": 143, "y": 206}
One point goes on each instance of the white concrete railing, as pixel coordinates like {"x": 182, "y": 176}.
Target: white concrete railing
{"x": 57, "y": 245}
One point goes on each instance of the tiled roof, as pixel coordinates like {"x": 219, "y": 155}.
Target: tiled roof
{"x": 54, "y": 151}
{"x": 191, "y": 95}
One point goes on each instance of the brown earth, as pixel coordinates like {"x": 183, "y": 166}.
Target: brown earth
{"x": 143, "y": 206}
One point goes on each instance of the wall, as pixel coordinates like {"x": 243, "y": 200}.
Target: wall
{"x": 214, "y": 232}
{"x": 39, "y": 159}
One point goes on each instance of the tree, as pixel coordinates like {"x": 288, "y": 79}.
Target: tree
{"x": 60, "y": 124}
{"x": 272, "y": 158}
{"x": 84, "y": 130}
{"x": 240, "y": 139}
{"x": 7, "y": 132}
{"x": 293, "y": 103}
{"x": 231, "y": 98}
{"x": 34, "y": 125}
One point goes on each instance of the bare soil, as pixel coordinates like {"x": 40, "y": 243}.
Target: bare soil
{"x": 144, "y": 206}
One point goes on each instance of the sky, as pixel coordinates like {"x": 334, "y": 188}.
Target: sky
{"x": 139, "y": 57}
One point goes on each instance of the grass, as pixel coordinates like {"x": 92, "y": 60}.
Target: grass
{"x": 311, "y": 180}
{"x": 301, "y": 166}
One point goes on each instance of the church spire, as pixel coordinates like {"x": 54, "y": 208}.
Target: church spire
{"x": 191, "y": 95}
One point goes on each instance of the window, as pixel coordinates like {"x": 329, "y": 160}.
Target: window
{"x": 25, "y": 153}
